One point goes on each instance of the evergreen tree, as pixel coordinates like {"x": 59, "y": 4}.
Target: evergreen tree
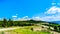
{"x": 10, "y": 22}
{"x": 4, "y": 22}
{"x": 59, "y": 28}
{"x": 55, "y": 28}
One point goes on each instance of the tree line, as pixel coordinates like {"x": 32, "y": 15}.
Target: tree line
{"x": 10, "y": 22}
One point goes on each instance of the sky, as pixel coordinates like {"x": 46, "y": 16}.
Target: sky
{"x": 46, "y": 10}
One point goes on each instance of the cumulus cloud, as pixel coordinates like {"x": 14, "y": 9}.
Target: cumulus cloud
{"x": 37, "y": 18}
{"x": 51, "y": 18}
{"x": 53, "y": 10}
{"x": 47, "y": 18}
{"x": 53, "y": 3}
{"x": 54, "y": 14}
{"x": 24, "y": 18}
{"x": 14, "y": 16}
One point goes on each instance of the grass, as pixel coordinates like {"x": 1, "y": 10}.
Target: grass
{"x": 26, "y": 30}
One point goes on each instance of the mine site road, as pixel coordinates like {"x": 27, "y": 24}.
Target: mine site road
{"x": 11, "y": 28}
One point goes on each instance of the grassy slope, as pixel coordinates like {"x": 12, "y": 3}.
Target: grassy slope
{"x": 26, "y": 30}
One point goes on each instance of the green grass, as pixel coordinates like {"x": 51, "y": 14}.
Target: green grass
{"x": 27, "y": 30}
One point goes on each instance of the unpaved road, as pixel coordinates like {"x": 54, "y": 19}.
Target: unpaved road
{"x": 4, "y": 29}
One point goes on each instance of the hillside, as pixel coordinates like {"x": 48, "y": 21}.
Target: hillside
{"x": 37, "y": 25}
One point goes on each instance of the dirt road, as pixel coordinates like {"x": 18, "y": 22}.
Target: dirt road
{"x": 4, "y": 29}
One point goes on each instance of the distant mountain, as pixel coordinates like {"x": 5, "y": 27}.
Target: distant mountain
{"x": 56, "y": 22}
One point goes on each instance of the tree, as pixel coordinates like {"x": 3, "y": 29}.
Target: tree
{"x": 10, "y": 22}
{"x": 55, "y": 28}
{"x": 4, "y": 22}
{"x": 58, "y": 28}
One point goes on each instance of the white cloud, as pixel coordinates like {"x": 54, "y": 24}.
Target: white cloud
{"x": 53, "y": 14}
{"x": 21, "y": 19}
{"x": 14, "y": 16}
{"x": 37, "y": 18}
{"x": 53, "y": 10}
{"x": 51, "y": 18}
{"x": 25, "y": 17}
{"x": 47, "y": 18}
{"x": 53, "y": 3}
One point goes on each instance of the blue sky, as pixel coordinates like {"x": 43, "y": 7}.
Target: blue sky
{"x": 31, "y": 8}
